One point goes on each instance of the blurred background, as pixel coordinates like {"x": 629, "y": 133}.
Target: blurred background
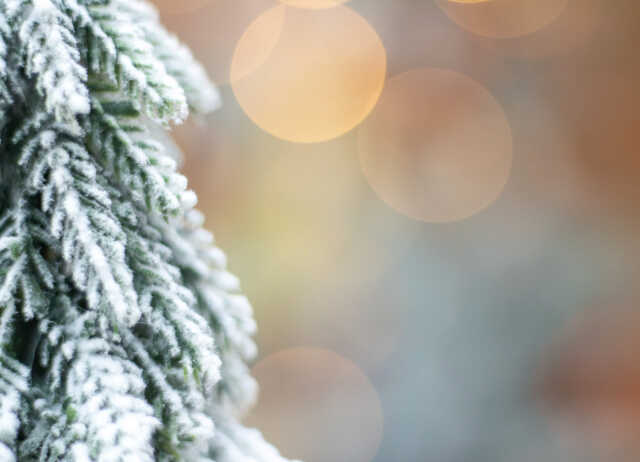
{"x": 432, "y": 205}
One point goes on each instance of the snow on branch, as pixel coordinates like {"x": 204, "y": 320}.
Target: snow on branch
{"x": 201, "y": 94}
{"x": 52, "y": 58}
{"x": 5, "y": 35}
{"x": 26, "y": 277}
{"x": 13, "y": 385}
{"x": 92, "y": 242}
{"x": 98, "y": 412}
{"x": 168, "y": 306}
{"x": 121, "y": 58}
{"x": 134, "y": 336}
{"x": 203, "y": 266}
{"x": 137, "y": 163}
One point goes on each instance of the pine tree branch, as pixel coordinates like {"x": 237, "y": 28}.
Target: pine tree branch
{"x": 5, "y": 94}
{"x": 201, "y": 95}
{"x": 104, "y": 414}
{"x": 92, "y": 242}
{"x": 168, "y": 306}
{"x": 111, "y": 293}
{"x": 119, "y": 52}
{"x": 138, "y": 164}
{"x": 13, "y": 384}
{"x": 52, "y": 58}
{"x": 203, "y": 267}
{"x": 25, "y": 276}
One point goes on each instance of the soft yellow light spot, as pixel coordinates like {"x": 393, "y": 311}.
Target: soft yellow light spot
{"x": 437, "y": 147}
{"x": 321, "y": 78}
{"x": 313, "y": 4}
{"x": 503, "y": 18}
{"x": 316, "y": 405}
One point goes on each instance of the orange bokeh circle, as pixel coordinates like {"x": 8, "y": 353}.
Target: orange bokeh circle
{"x": 438, "y": 146}
{"x": 316, "y": 405}
{"x": 308, "y": 76}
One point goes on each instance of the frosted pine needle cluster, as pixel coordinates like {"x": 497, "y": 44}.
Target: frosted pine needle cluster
{"x": 123, "y": 338}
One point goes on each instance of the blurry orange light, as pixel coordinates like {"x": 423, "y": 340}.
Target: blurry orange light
{"x": 312, "y": 78}
{"x": 437, "y": 147}
{"x": 502, "y": 18}
{"x": 316, "y": 405}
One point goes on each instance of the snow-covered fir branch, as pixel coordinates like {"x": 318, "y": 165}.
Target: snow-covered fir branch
{"x": 58, "y": 169}
{"x": 123, "y": 338}
{"x": 120, "y": 56}
{"x": 178, "y": 60}
{"x": 136, "y": 162}
{"x": 52, "y": 59}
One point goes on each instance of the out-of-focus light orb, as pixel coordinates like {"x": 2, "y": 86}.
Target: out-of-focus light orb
{"x": 503, "y": 18}
{"x": 321, "y": 78}
{"x": 318, "y": 406}
{"x": 313, "y": 4}
{"x": 438, "y": 146}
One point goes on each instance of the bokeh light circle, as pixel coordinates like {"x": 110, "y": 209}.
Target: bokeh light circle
{"x": 316, "y": 405}
{"x": 313, "y": 4}
{"x": 438, "y": 146}
{"x": 503, "y": 18}
{"x": 322, "y": 76}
